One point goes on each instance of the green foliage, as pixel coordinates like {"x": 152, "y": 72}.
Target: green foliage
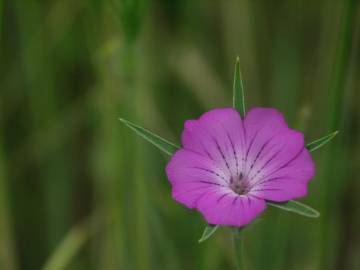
{"x": 69, "y": 247}
{"x": 130, "y": 14}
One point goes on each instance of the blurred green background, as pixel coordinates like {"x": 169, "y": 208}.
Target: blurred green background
{"x": 78, "y": 190}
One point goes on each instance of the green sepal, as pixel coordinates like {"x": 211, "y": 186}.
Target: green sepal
{"x": 161, "y": 143}
{"x": 208, "y": 232}
{"x": 238, "y": 90}
{"x": 321, "y": 142}
{"x": 297, "y": 207}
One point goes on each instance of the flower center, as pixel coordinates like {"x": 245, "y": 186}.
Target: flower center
{"x": 239, "y": 185}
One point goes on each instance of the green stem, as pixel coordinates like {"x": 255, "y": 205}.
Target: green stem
{"x": 238, "y": 248}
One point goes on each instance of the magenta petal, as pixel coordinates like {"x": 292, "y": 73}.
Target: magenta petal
{"x": 273, "y": 153}
{"x": 289, "y": 182}
{"x": 219, "y": 135}
{"x": 258, "y": 119}
{"x": 230, "y": 209}
{"x": 191, "y": 175}
{"x": 270, "y": 143}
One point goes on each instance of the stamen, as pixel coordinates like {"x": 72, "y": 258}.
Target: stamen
{"x": 239, "y": 185}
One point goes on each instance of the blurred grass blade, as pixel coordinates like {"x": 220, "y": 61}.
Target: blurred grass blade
{"x": 321, "y": 142}
{"x": 1, "y": 15}
{"x": 69, "y": 247}
{"x": 130, "y": 14}
{"x": 208, "y": 232}
{"x": 296, "y": 207}
{"x": 238, "y": 90}
{"x": 8, "y": 256}
{"x": 164, "y": 145}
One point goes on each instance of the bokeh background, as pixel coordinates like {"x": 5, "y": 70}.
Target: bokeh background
{"x": 78, "y": 190}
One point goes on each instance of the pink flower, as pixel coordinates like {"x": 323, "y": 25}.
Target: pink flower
{"x": 229, "y": 167}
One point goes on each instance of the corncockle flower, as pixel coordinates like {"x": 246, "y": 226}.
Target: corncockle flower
{"x": 231, "y": 168}
{"x": 228, "y": 167}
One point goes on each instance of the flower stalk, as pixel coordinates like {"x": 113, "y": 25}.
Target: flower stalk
{"x": 238, "y": 248}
